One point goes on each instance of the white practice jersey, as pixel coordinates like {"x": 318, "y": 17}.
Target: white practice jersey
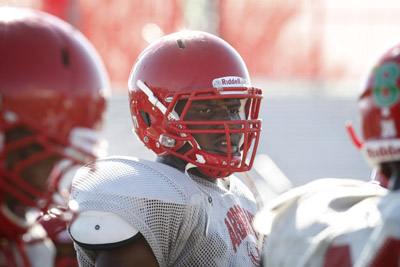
{"x": 332, "y": 222}
{"x": 187, "y": 221}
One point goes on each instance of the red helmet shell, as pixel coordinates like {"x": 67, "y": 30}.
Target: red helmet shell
{"x": 52, "y": 83}
{"x": 50, "y": 72}
{"x": 379, "y": 106}
{"x": 186, "y": 65}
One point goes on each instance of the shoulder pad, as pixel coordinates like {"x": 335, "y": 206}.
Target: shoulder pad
{"x": 337, "y": 191}
{"x": 99, "y": 227}
{"x": 131, "y": 177}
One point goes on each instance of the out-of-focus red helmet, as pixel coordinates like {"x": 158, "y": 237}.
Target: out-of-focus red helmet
{"x": 379, "y": 106}
{"x": 54, "y": 84}
{"x": 193, "y": 65}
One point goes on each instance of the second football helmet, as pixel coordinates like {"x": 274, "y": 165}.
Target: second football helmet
{"x": 53, "y": 90}
{"x": 192, "y": 66}
{"x": 379, "y": 106}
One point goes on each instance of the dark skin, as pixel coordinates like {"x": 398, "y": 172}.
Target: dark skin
{"x": 66, "y": 250}
{"x": 209, "y": 110}
{"x": 139, "y": 252}
{"x": 36, "y": 174}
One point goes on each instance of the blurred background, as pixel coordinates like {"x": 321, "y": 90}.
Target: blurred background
{"x": 308, "y": 56}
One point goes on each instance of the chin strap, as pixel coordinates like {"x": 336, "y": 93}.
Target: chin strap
{"x": 260, "y": 204}
{"x": 254, "y": 190}
{"x": 188, "y": 167}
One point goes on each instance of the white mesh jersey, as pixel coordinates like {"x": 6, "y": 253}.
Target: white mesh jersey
{"x": 332, "y": 222}
{"x": 187, "y": 221}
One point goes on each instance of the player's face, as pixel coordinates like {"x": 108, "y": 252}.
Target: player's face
{"x": 215, "y": 110}
{"x": 35, "y": 174}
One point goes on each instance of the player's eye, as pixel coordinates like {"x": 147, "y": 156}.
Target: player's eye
{"x": 234, "y": 110}
{"x": 205, "y": 110}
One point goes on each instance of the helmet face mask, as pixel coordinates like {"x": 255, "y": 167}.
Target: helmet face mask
{"x": 35, "y": 163}
{"x": 196, "y": 103}
{"x": 217, "y": 147}
{"x": 53, "y": 92}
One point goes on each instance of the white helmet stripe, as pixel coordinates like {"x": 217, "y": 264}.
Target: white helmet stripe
{"x": 154, "y": 100}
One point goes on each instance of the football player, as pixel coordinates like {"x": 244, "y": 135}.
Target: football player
{"x": 53, "y": 89}
{"x": 192, "y": 104}
{"x": 344, "y": 222}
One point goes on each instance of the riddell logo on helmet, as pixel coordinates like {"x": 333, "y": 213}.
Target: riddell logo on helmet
{"x": 230, "y": 81}
{"x": 388, "y": 151}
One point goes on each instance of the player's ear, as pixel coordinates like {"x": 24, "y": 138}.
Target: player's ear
{"x": 145, "y": 117}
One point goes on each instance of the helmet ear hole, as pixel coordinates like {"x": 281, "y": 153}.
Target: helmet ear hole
{"x": 145, "y": 117}
{"x": 65, "y": 58}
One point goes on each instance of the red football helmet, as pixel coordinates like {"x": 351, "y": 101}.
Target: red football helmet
{"x": 192, "y": 66}
{"x": 379, "y": 108}
{"x": 53, "y": 84}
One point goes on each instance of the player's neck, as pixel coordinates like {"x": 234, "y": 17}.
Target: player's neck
{"x": 173, "y": 161}
{"x": 180, "y": 164}
{"x": 198, "y": 173}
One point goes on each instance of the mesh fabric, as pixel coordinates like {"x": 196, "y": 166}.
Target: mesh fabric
{"x": 329, "y": 222}
{"x": 187, "y": 221}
